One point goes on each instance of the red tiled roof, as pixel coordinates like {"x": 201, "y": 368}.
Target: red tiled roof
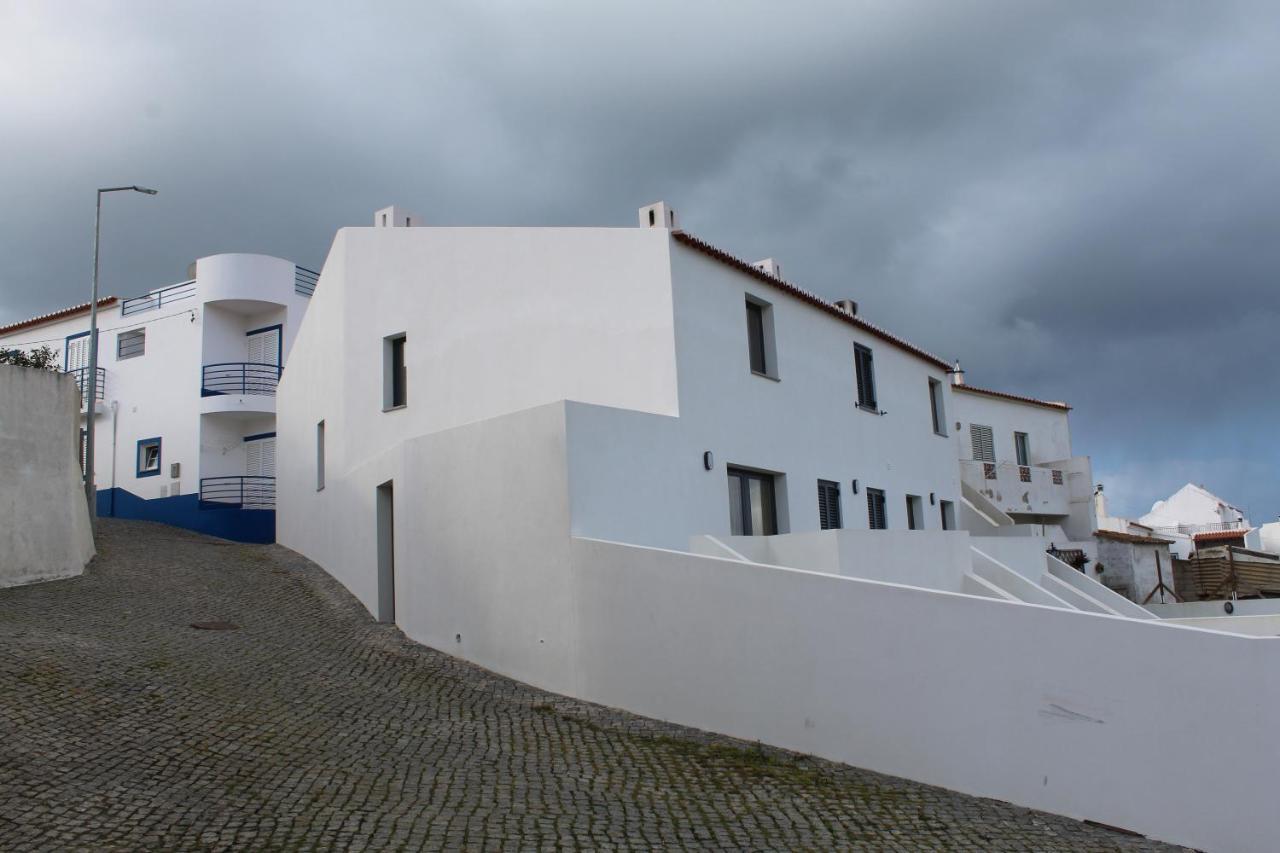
{"x": 1117, "y": 536}
{"x": 800, "y": 293}
{"x": 1219, "y": 535}
{"x": 1017, "y": 398}
{"x": 56, "y": 315}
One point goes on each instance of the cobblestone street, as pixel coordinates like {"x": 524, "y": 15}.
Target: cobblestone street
{"x": 308, "y": 726}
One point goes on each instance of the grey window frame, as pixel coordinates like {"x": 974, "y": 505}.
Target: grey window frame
{"x": 864, "y": 370}
{"x": 1022, "y": 448}
{"x": 829, "y": 515}
{"x": 769, "y": 494}
{"x": 125, "y": 347}
{"x": 947, "y": 512}
{"x": 320, "y": 456}
{"x": 937, "y": 407}
{"x": 915, "y": 512}
{"x": 876, "y": 501}
{"x": 395, "y": 378}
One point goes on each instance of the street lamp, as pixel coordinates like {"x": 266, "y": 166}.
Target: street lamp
{"x": 90, "y": 490}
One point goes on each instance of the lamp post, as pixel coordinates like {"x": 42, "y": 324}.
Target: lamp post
{"x": 90, "y": 489}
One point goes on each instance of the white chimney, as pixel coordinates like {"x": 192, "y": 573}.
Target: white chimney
{"x": 769, "y": 267}
{"x": 957, "y": 375}
{"x": 396, "y": 217}
{"x": 658, "y": 215}
{"x": 848, "y": 306}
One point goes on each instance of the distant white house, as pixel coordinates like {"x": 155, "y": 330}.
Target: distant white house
{"x": 624, "y": 465}
{"x": 1195, "y": 516}
{"x": 186, "y": 386}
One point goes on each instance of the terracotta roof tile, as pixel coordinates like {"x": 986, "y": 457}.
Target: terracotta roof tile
{"x": 1017, "y": 398}
{"x": 802, "y": 294}
{"x": 1117, "y": 536}
{"x": 1219, "y": 535}
{"x": 56, "y": 315}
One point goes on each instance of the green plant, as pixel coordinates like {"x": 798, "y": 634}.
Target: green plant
{"x": 41, "y": 358}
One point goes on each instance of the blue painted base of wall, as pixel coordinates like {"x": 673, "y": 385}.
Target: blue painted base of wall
{"x": 240, "y": 525}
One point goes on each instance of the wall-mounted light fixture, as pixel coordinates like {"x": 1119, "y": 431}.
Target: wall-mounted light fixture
{"x": 855, "y": 486}
{"x": 708, "y": 460}
{"x": 932, "y": 499}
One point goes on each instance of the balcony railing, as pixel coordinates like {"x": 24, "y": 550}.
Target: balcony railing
{"x": 1193, "y": 529}
{"x": 82, "y": 379}
{"x": 304, "y": 280}
{"x": 238, "y": 492}
{"x": 158, "y": 298}
{"x": 1019, "y": 488}
{"x": 239, "y": 377}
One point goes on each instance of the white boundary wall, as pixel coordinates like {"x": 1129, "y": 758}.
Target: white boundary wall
{"x": 44, "y": 521}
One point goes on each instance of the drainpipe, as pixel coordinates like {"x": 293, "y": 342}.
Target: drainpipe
{"x": 115, "y": 422}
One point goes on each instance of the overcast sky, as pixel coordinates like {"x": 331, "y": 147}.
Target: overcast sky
{"x": 1080, "y": 200}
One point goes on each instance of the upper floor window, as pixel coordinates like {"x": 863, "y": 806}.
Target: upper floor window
{"x": 829, "y": 505}
{"x": 935, "y": 406}
{"x": 876, "y": 515}
{"x": 131, "y": 344}
{"x": 394, "y": 377}
{"x": 1022, "y": 448}
{"x": 760, "y": 344}
{"x": 865, "y": 370}
{"x": 320, "y": 456}
{"x": 982, "y": 442}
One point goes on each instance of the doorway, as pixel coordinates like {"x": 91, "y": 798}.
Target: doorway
{"x": 386, "y": 552}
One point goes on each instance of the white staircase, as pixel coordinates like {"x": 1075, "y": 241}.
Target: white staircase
{"x": 1054, "y": 585}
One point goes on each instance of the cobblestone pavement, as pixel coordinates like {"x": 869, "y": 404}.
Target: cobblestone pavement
{"x": 310, "y": 726}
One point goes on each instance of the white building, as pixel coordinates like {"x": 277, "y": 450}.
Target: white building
{"x": 186, "y": 391}
{"x": 544, "y": 450}
{"x": 1195, "y": 515}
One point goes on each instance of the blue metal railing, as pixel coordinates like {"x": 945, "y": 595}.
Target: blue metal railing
{"x": 239, "y": 377}
{"x": 82, "y": 379}
{"x": 304, "y": 280}
{"x": 157, "y": 298}
{"x": 238, "y": 492}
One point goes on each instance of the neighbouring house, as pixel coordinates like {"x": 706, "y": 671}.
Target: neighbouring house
{"x": 44, "y": 519}
{"x": 1135, "y": 564}
{"x": 185, "y": 392}
{"x": 624, "y": 465}
{"x": 1190, "y": 513}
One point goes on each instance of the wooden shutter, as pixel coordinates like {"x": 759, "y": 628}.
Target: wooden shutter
{"x": 982, "y": 442}
{"x": 260, "y": 457}
{"x": 875, "y": 510}
{"x": 829, "y": 505}
{"x": 864, "y": 367}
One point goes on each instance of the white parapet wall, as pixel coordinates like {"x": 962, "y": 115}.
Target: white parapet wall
{"x": 44, "y": 520}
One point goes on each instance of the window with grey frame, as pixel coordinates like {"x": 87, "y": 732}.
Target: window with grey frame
{"x": 947, "y": 510}
{"x": 936, "y": 407}
{"x": 1022, "y": 448}
{"x": 829, "y": 505}
{"x": 864, "y": 370}
{"x": 877, "y": 518}
{"x": 915, "y": 512}
{"x": 320, "y": 456}
{"x": 131, "y": 344}
{"x": 762, "y": 351}
{"x": 753, "y": 509}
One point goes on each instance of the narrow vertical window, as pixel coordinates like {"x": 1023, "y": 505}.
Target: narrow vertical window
{"x": 829, "y": 505}
{"x": 394, "y": 377}
{"x": 865, "y": 370}
{"x": 948, "y": 515}
{"x": 1022, "y": 448}
{"x": 875, "y": 510}
{"x": 320, "y": 456}
{"x": 915, "y": 512}
{"x": 755, "y": 337}
{"x": 935, "y": 406}
{"x": 752, "y": 506}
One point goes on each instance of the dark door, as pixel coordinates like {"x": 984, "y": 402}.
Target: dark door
{"x": 752, "y": 509}
{"x": 386, "y": 552}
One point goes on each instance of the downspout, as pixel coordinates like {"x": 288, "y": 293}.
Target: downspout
{"x": 115, "y": 421}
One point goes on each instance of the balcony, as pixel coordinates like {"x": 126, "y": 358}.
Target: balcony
{"x": 1019, "y": 489}
{"x": 237, "y": 492}
{"x": 158, "y": 298}
{"x": 304, "y": 281}
{"x": 239, "y": 377}
{"x": 82, "y": 379}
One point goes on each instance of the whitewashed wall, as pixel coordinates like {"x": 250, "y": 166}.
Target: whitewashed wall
{"x": 1048, "y": 432}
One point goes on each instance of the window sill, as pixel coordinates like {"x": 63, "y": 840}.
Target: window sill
{"x": 940, "y": 434}
{"x": 395, "y": 408}
{"x": 870, "y": 410}
{"x": 766, "y": 376}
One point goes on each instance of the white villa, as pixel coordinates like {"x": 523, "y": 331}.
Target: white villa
{"x": 626, "y": 466}
{"x": 186, "y": 407}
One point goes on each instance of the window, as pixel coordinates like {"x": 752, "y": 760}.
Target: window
{"x": 394, "y": 378}
{"x": 875, "y": 510}
{"x": 761, "y": 349}
{"x": 948, "y": 515}
{"x": 752, "y": 508}
{"x": 935, "y": 405}
{"x": 866, "y": 378}
{"x": 131, "y": 344}
{"x": 84, "y": 448}
{"x": 1021, "y": 448}
{"x": 829, "y": 505}
{"x": 982, "y": 442}
{"x": 915, "y": 512}
{"x": 320, "y": 456}
{"x": 148, "y": 457}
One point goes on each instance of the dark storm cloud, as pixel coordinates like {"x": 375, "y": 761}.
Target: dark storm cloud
{"x": 1077, "y": 200}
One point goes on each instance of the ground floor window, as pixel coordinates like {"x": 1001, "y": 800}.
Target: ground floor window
{"x": 915, "y": 512}
{"x": 875, "y": 510}
{"x": 829, "y": 505}
{"x": 948, "y": 515}
{"x": 753, "y": 509}
{"x": 148, "y": 457}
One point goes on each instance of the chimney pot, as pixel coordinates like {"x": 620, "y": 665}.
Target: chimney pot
{"x": 848, "y": 306}
{"x": 658, "y": 215}
{"x": 396, "y": 217}
{"x": 769, "y": 267}
{"x": 957, "y": 374}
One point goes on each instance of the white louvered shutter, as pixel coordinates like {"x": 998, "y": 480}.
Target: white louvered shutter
{"x": 983, "y": 443}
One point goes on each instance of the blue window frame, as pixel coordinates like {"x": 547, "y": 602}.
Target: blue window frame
{"x": 66, "y": 349}
{"x": 149, "y": 457}
{"x": 279, "y": 329}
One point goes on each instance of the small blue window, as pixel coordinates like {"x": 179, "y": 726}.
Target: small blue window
{"x": 149, "y": 457}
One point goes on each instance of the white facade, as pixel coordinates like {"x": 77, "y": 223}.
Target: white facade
{"x": 1191, "y": 510}
{"x": 192, "y": 368}
{"x": 516, "y": 444}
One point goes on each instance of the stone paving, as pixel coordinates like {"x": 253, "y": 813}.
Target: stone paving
{"x": 309, "y": 726}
